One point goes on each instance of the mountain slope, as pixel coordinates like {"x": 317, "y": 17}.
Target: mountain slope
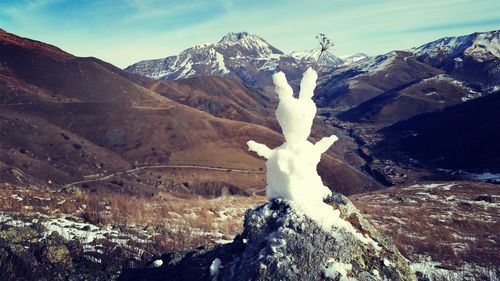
{"x": 222, "y": 97}
{"x": 209, "y": 59}
{"x": 464, "y": 136}
{"x": 457, "y": 211}
{"x": 66, "y": 118}
{"x": 367, "y": 96}
{"x": 411, "y": 99}
{"x": 312, "y": 56}
{"x": 402, "y": 84}
{"x": 78, "y": 101}
{"x": 350, "y": 86}
{"x": 478, "y": 46}
{"x": 473, "y": 58}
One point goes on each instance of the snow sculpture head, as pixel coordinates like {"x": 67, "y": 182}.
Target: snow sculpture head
{"x": 291, "y": 167}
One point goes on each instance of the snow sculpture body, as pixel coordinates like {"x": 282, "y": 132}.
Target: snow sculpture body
{"x": 291, "y": 167}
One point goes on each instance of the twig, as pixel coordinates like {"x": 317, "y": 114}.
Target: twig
{"x": 324, "y": 44}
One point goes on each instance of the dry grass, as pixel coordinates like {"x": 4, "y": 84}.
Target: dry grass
{"x": 446, "y": 223}
{"x": 177, "y": 223}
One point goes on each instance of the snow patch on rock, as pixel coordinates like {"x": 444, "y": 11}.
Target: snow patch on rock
{"x": 220, "y": 61}
{"x": 336, "y": 269}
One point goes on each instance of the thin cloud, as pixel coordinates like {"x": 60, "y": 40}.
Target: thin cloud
{"x": 493, "y": 22}
{"x": 124, "y": 32}
{"x": 154, "y": 10}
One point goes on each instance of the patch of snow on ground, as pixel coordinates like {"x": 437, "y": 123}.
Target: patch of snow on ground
{"x": 335, "y": 269}
{"x": 215, "y": 266}
{"x": 16, "y": 197}
{"x": 71, "y": 230}
{"x": 269, "y": 65}
{"x": 433, "y": 271}
{"x": 483, "y": 176}
{"x": 494, "y": 89}
{"x": 428, "y": 186}
{"x": 447, "y": 186}
{"x": 10, "y": 221}
{"x": 157, "y": 263}
{"x": 425, "y": 194}
{"x": 348, "y": 60}
{"x": 375, "y": 64}
{"x": 486, "y": 176}
{"x": 187, "y": 70}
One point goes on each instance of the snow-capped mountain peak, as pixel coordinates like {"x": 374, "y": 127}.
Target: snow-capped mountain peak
{"x": 239, "y": 54}
{"x": 348, "y": 60}
{"x": 311, "y": 56}
{"x": 234, "y": 37}
{"x": 246, "y": 44}
{"x": 242, "y": 55}
{"x": 479, "y": 46}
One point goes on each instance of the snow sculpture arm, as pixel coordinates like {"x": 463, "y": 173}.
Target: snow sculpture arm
{"x": 323, "y": 145}
{"x": 261, "y": 149}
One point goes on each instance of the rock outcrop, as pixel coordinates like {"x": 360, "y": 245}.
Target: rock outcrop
{"x": 32, "y": 249}
{"x": 280, "y": 243}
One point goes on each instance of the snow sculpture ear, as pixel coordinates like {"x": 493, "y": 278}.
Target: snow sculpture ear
{"x": 307, "y": 84}
{"x": 282, "y": 88}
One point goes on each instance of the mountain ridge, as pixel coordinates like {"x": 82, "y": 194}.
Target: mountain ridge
{"x": 241, "y": 55}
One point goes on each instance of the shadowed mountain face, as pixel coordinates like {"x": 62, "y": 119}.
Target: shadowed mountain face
{"x": 65, "y": 119}
{"x": 464, "y": 136}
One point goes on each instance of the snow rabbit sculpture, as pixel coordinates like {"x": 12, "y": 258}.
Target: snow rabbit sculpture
{"x": 291, "y": 167}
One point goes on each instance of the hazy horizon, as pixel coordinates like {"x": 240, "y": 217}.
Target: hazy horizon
{"x": 124, "y": 32}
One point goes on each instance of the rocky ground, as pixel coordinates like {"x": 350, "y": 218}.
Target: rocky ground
{"x": 66, "y": 248}
{"x": 71, "y": 234}
{"x": 280, "y": 243}
{"x": 448, "y": 230}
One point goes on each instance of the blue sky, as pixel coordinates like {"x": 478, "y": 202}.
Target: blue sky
{"x": 124, "y": 32}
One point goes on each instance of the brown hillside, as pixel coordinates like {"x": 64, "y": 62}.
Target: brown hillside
{"x": 66, "y": 119}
